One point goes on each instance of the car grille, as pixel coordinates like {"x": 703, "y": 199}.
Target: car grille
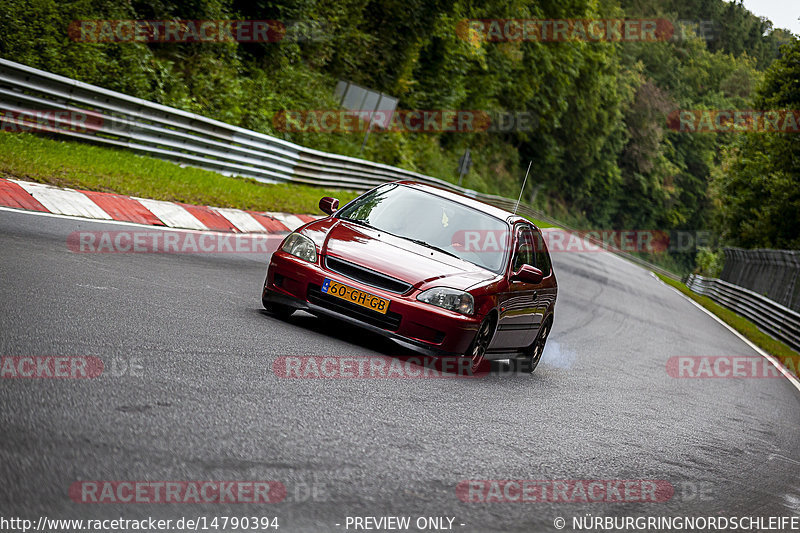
{"x": 366, "y": 276}
{"x": 390, "y": 321}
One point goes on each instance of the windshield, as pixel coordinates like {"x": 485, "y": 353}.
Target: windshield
{"x": 432, "y": 221}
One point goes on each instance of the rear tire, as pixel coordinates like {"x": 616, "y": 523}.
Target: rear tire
{"x": 528, "y": 363}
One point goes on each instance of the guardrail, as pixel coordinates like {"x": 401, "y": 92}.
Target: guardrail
{"x": 773, "y": 318}
{"x": 121, "y": 121}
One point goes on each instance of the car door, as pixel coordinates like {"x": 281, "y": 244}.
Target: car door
{"x": 520, "y": 314}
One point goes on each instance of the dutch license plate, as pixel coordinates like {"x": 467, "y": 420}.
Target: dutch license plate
{"x": 358, "y": 297}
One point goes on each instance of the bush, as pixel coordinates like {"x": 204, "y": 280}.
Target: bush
{"x": 709, "y": 263}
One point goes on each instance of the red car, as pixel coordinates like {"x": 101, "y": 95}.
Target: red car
{"x": 430, "y": 267}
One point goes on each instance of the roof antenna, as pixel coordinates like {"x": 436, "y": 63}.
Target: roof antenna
{"x": 523, "y": 186}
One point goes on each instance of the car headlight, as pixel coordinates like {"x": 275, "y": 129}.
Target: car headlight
{"x": 300, "y": 246}
{"x": 452, "y": 299}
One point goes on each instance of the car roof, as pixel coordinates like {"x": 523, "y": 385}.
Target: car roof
{"x": 496, "y": 212}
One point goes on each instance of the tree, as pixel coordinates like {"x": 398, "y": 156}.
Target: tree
{"x": 758, "y": 192}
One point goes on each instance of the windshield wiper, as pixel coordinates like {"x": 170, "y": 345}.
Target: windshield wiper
{"x": 432, "y": 247}
{"x": 415, "y": 241}
{"x": 358, "y": 222}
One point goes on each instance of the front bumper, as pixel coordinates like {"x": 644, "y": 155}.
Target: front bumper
{"x": 294, "y": 282}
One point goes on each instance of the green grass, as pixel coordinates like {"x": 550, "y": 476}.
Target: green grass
{"x": 82, "y": 166}
{"x": 787, "y": 356}
{"x": 540, "y": 223}
{"x": 95, "y": 168}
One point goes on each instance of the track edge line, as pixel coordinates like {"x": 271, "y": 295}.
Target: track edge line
{"x": 769, "y": 357}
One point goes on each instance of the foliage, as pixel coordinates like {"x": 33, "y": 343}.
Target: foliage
{"x": 758, "y": 190}
{"x": 709, "y": 262}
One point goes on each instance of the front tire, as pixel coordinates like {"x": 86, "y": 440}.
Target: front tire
{"x": 477, "y": 349}
{"x": 275, "y": 309}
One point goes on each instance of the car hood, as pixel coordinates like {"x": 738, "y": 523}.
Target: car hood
{"x": 394, "y": 256}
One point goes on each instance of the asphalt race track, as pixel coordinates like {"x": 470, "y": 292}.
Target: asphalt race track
{"x": 188, "y": 393}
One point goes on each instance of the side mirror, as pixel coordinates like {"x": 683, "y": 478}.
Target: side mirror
{"x": 328, "y": 205}
{"x": 528, "y": 274}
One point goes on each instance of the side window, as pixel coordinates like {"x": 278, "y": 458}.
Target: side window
{"x": 542, "y": 255}
{"x": 524, "y": 253}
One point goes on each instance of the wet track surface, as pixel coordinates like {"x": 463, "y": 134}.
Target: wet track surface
{"x": 189, "y": 394}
